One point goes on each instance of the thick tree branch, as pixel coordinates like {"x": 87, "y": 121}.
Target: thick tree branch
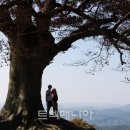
{"x": 123, "y": 39}
{"x": 83, "y": 4}
{"x": 110, "y": 34}
{"x": 7, "y": 6}
{"x": 38, "y": 2}
{"x": 50, "y": 5}
{"x": 119, "y": 51}
{"x": 86, "y": 30}
{"x": 66, "y": 42}
{"x": 69, "y": 8}
{"x": 65, "y": 2}
{"x": 121, "y": 20}
{"x": 16, "y": 2}
{"x": 126, "y": 31}
{"x": 6, "y": 23}
{"x": 106, "y": 20}
{"x": 80, "y": 13}
{"x": 123, "y": 48}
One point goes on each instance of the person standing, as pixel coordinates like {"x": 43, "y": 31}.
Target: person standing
{"x": 49, "y": 99}
{"x": 54, "y": 101}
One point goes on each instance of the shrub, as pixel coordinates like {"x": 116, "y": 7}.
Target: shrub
{"x": 80, "y": 122}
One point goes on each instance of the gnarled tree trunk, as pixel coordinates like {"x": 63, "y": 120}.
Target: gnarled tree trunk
{"x": 30, "y": 54}
{"x": 31, "y": 50}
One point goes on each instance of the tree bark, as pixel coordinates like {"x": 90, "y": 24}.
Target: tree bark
{"x": 30, "y": 54}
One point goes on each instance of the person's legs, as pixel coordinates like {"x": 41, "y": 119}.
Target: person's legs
{"x": 47, "y": 110}
{"x": 57, "y": 112}
{"x": 56, "y": 106}
{"x": 53, "y": 105}
{"x": 49, "y": 104}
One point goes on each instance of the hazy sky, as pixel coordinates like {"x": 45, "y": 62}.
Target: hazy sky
{"x": 74, "y": 85}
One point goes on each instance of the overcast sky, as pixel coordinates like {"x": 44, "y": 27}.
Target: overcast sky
{"x": 74, "y": 85}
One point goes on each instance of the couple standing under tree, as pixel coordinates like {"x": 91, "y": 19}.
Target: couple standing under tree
{"x": 51, "y": 100}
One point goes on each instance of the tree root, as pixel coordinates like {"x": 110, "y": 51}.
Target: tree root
{"x": 12, "y": 122}
{"x": 19, "y": 122}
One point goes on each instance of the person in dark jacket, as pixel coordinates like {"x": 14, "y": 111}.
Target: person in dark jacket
{"x": 48, "y": 99}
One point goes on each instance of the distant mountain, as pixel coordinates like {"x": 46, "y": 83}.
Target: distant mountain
{"x": 123, "y": 127}
{"x": 116, "y": 116}
{"x": 126, "y": 107}
{"x": 111, "y": 117}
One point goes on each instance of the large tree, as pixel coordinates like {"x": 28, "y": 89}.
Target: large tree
{"x": 37, "y": 30}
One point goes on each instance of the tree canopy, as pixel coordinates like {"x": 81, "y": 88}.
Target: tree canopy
{"x": 68, "y": 21}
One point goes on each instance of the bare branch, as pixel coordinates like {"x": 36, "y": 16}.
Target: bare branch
{"x": 65, "y": 2}
{"x": 113, "y": 34}
{"x": 80, "y": 13}
{"x": 83, "y": 15}
{"x": 98, "y": 6}
{"x": 121, "y": 54}
{"x": 123, "y": 48}
{"x": 125, "y": 31}
{"x": 121, "y": 20}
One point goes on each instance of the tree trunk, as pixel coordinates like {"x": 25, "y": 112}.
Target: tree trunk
{"x": 30, "y": 54}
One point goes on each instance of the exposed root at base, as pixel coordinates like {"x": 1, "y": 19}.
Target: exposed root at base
{"x": 18, "y": 122}
{"x": 12, "y": 122}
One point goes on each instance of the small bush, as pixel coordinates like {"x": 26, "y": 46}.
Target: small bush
{"x": 80, "y": 122}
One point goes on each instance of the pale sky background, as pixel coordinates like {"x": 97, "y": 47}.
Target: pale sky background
{"x": 74, "y": 85}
